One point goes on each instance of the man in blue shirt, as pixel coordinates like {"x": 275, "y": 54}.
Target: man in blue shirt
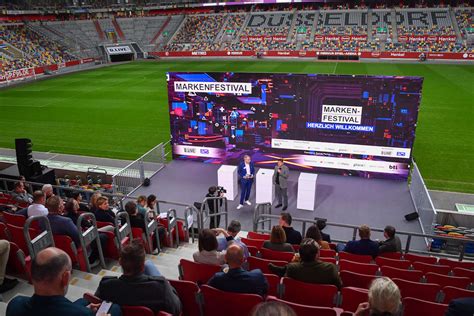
{"x": 232, "y": 230}
{"x": 236, "y": 279}
{"x": 364, "y": 246}
{"x": 50, "y": 274}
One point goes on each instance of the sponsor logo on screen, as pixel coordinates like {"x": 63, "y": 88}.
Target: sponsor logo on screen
{"x": 115, "y": 50}
{"x": 213, "y": 87}
{"x": 341, "y": 114}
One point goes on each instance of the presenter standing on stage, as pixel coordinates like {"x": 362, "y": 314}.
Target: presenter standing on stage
{"x": 246, "y": 172}
{"x": 280, "y": 181}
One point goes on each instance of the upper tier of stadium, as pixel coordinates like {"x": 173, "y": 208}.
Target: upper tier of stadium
{"x": 30, "y": 40}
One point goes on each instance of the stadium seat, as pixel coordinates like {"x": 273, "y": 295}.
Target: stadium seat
{"x": 16, "y": 234}
{"x": 65, "y": 243}
{"x": 355, "y": 258}
{"x": 333, "y": 246}
{"x": 394, "y": 263}
{"x": 296, "y": 247}
{"x": 423, "y": 291}
{"x": 187, "y": 292}
{"x": 16, "y": 260}
{"x": 363, "y": 268}
{"x": 457, "y": 264}
{"x": 254, "y": 235}
{"x": 418, "y": 258}
{"x": 330, "y": 260}
{"x": 436, "y": 268}
{"x": 273, "y": 284}
{"x": 196, "y": 272}
{"x": 352, "y": 297}
{"x": 14, "y": 219}
{"x": 416, "y": 307}
{"x": 262, "y": 264}
{"x": 445, "y": 280}
{"x": 258, "y": 243}
{"x": 327, "y": 253}
{"x": 409, "y": 275}
{"x": 276, "y": 255}
{"x": 391, "y": 255}
{"x": 252, "y": 250}
{"x": 307, "y": 310}
{"x": 460, "y": 272}
{"x": 137, "y": 311}
{"x": 236, "y": 304}
{"x": 4, "y": 233}
{"x": 356, "y": 279}
{"x": 451, "y": 292}
{"x": 303, "y": 293}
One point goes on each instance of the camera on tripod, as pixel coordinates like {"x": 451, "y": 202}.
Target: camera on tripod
{"x": 220, "y": 190}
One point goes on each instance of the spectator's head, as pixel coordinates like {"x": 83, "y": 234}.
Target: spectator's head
{"x": 212, "y": 190}
{"x": 389, "y": 232}
{"x": 384, "y": 297}
{"x": 151, "y": 201}
{"x": 93, "y": 201}
{"x": 55, "y": 205}
{"x": 364, "y": 232}
{"x": 102, "y": 203}
{"x": 273, "y": 308}
{"x": 280, "y": 162}
{"x": 309, "y": 250}
{"x": 141, "y": 200}
{"x": 314, "y": 233}
{"x": 71, "y": 206}
{"x": 321, "y": 223}
{"x": 234, "y": 256}
{"x": 51, "y": 272}
{"x": 131, "y": 208}
{"x": 207, "y": 240}
{"x": 19, "y": 187}
{"x": 285, "y": 219}
{"x": 77, "y": 196}
{"x": 48, "y": 190}
{"x": 278, "y": 235}
{"x": 247, "y": 159}
{"x": 132, "y": 258}
{"x": 234, "y": 228}
{"x": 39, "y": 197}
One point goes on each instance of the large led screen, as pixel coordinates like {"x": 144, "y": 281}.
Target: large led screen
{"x": 341, "y": 124}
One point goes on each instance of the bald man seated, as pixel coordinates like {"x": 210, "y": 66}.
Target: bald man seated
{"x": 237, "y": 279}
{"x": 50, "y": 274}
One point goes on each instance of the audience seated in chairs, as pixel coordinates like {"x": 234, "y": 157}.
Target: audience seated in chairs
{"x": 71, "y": 210}
{"x": 103, "y": 213}
{"x": 309, "y": 268}
{"x": 6, "y": 284}
{"x": 232, "y": 230}
{"x": 38, "y": 208}
{"x": 50, "y": 274}
{"x": 314, "y": 233}
{"x": 78, "y": 197}
{"x": 20, "y": 195}
{"x": 93, "y": 201}
{"x": 384, "y": 299}
{"x": 141, "y": 205}
{"x": 277, "y": 241}
{"x": 207, "y": 244}
{"x": 236, "y": 279}
{"x": 151, "y": 203}
{"x": 140, "y": 284}
{"x": 321, "y": 223}
{"x": 138, "y": 221}
{"x": 292, "y": 236}
{"x": 47, "y": 190}
{"x": 273, "y": 308}
{"x": 392, "y": 242}
{"x": 364, "y": 246}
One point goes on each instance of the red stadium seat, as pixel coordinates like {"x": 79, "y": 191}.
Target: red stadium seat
{"x": 352, "y": 297}
{"x": 187, "y": 292}
{"x": 419, "y": 258}
{"x": 436, "y": 268}
{"x": 457, "y": 264}
{"x": 273, "y": 284}
{"x": 235, "y": 304}
{"x": 303, "y": 293}
{"x": 445, "y": 280}
{"x": 4, "y": 233}
{"x": 460, "y": 272}
{"x": 136, "y": 311}
{"x": 258, "y": 243}
{"x": 254, "y": 235}
{"x": 391, "y": 255}
{"x": 330, "y": 260}
{"x": 276, "y": 255}
{"x": 252, "y": 250}
{"x": 394, "y": 263}
{"x": 327, "y": 253}
{"x": 355, "y": 258}
{"x": 296, "y": 247}
{"x": 66, "y": 244}
{"x": 451, "y": 292}
{"x": 196, "y": 272}
{"x": 16, "y": 234}
{"x": 333, "y": 246}
{"x": 416, "y": 307}
{"x": 16, "y": 260}
{"x": 409, "y": 275}
{"x": 363, "y": 268}
{"x": 356, "y": 279}
{"x": 14, "y": 219}
{"x": 307, "y": 310}
{"x": 423, "y": 291}
{"x": 262, "y": 264}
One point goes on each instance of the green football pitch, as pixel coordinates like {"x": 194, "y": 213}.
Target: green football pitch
{"x": 121, "y": 111}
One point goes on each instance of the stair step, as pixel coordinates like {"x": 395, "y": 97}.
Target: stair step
{"x": 104, "y": 272}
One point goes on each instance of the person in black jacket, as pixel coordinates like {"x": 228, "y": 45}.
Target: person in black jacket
{"x": 136, "y": 288}
{"x": 392, "y": 242}
{"x": 292, "y": 236}
{"x": 213, "y": 207}
{"x": 103, "y": 212}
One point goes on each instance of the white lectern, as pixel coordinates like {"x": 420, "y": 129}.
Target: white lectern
{"x": 264, "y": 183}
{"x": 306, "y": 191}
{"x": 227, "y": 178}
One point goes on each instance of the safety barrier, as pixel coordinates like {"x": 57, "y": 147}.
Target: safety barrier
{"x": 88, "y": 236}
{"x": 151, "y": 227}
{"x": 122, "y": 231}
{"x": 220, "y": 206}
{"x": 172, "y": 225}
{"x": 43, "y": 240}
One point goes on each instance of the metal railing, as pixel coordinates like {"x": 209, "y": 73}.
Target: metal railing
{"x": 88, "y": 236}
{"x": 43, "y": 240}
{"x": 151, "y": 227}
{"x": 130, "y": 178}
{"x": 220, "y": 206}
{"x": 122, "y": 231}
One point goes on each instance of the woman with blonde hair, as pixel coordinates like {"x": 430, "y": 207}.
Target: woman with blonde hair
{"x": 277, "y": 240}
{"x": 384, "y": 299}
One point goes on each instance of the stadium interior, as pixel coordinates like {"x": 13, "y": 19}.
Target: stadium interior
{"x": 45, "y": 41}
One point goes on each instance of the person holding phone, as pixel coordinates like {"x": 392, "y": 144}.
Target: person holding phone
{"x": 280, "y": 181}
{"x": 246, "y": 172}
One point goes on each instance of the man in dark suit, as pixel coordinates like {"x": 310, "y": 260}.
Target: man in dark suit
{"x": 364, "y": 246}
{"x": 50, "y": 274}
{"x": 292, "y": 236}
{"x": 246, "y": 172}
{"x": 392, "y": 242}
{"x": 237, "y": 279}
{"x": 136, "y": 288}
{"x": 280, "y": 181}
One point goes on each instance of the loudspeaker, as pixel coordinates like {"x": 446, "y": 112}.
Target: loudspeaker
{"x": 23, "y": 147}
{"x": 411, "y": 216}
{"x": 27, "y": 166}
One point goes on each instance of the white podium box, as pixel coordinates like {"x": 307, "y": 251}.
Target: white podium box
{"x": 306, "y": 191}
{"x": 227, "y": 178}
{"x": 265, "y": 192}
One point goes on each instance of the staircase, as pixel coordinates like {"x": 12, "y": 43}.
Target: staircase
{"x": 394, "y": 26}
{"x": 100, "y": 33}
{"x": 118, "y": 29}
{"x": 162, "y": 28}
{"x": 369, "y": 26}
{"x": 454, "y": 22}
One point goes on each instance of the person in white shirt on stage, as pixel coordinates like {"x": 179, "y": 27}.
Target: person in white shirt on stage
{"x": 246, "y": 172}
{"x": 38, "y": 208}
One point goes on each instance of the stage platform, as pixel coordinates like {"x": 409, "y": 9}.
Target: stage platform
{"x": 347, "y": 200}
